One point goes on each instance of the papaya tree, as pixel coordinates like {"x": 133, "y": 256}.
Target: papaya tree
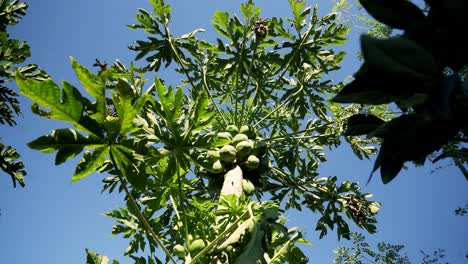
{"x": 209, "y": 165}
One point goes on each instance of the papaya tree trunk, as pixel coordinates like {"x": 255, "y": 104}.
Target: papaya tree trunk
{"x": 233, "y": 182}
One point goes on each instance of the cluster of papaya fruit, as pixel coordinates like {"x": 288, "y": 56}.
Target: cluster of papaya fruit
{"x": 243, "y": 148}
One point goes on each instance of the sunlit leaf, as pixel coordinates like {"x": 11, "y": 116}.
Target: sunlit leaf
{"x": 94, "y": 85}
{"x": 90, "y": 162}
{"x": 94, "y": 258}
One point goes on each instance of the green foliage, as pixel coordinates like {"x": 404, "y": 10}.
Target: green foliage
{"x": 12, "y": 53}
{"x": 361, "y": 252}
{"x": 461, "y": 210}
{"x": 94, "y": 258}
{"x": 9, "y": 164}
{"x": 411, "y": 70}
{"x": 253, "y": 104}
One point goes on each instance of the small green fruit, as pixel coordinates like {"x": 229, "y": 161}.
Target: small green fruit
{"x": 217, "y": 167}
{"x": 213, "y": 153}
{"x": 228, "y": 153}
{"x": 225, "y": 135}
{"x": 179, "y": 251}
{"x": 248, "y": 187}
{"x": 197, "y": 245}
{"x": 239, "y": 138}
{"x": 252, "y": 162}
{"x": 260, "y": 148}
{"x": 244, "y": 148}
{"x": 247, "y": 130}
{"x": 161, "y": 152}
{"x": 232, "y": 129}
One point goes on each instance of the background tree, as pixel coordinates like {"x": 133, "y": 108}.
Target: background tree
{"x": 250, "y": 117}
{"x": 361, "y": 252}
{"x": 12, "y": 53}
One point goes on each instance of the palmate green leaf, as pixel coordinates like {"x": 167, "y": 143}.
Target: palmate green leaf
{"x": 9, "y": 164}
{"x": 65, "y": 105}
{"x": 220, "y": 23}
{"x": 127, "y": 107}
{"x": 170, "y": 103}
{"x": 201, "y": 114}
{"x": 249, "y": 10}
{"x": 67, "y": 142}
{"x": 94, "y": 258}
{"x": 90, "y": 162}
{"x": 299, "y": 12}
{"x": 131, "y": 168}
{"x": 94, "y": 85}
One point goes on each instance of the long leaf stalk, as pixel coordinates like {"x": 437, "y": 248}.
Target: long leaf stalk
{"x": 239, "y": 65}
{"x": 284, "y": 247}
{"x": 272, "y": 112}
{"x": 170, "y": 39}
{"x": 181, "y": 63}
{"x": 300, "y": 186}
{"x": 284, "y": 68}
{"x": 248, "y": 77}
{"x": 140, "y": 216}
{"x": 289, "y": 135}
{"x": 207, "y": 90}
{"x": 181, "y": 203}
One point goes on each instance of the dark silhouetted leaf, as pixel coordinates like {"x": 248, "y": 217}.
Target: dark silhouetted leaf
{"x": 401, "y": 14}
{"x": 361, "y": 124}
{"x": 400, "y": 57}
{"x": 409, "y": 138}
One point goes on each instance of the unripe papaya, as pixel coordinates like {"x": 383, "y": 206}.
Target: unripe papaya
{"x": 260, "y": 148}
{"x": 213, "y": 153}
{"x": 247, "y": 130}
{"x": 244, "y": 148}
{"x": 248, "y": 187}
{"x": 217, "y": 167}
{"x": 232, "y": 129}
{"x": 228, "y": 153}
{"x": 197, "y": 245}
{"x": 161, "y": 152}
{"x": 239, "y": 138}
{"x": 225, "y": 135}
{"x": 179, "y": 251}
{"x": 252, "y": 162}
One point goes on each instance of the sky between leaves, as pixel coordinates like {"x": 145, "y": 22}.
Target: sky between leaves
{"x": 53, "y": 221}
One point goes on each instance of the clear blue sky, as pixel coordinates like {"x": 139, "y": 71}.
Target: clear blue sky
{"x": 52, "y": 221}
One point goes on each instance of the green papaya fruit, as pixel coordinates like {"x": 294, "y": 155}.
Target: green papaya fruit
{"x": 248, "y": 187}
{"x": 179, "y": 251}
{"x": 247, "y": 130}
{"x": 197, "y": 245}
{"x": 217, "y": 167}
{"x": 228, "y": 153}
{"x": 252, "y": 162}
{"x": 260, "y": 148}
{"x": 239, "y": 138}
{"x": 232, "y": 129}
{"x": 225, "y": 135}
{"x": 244, "y": 148}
